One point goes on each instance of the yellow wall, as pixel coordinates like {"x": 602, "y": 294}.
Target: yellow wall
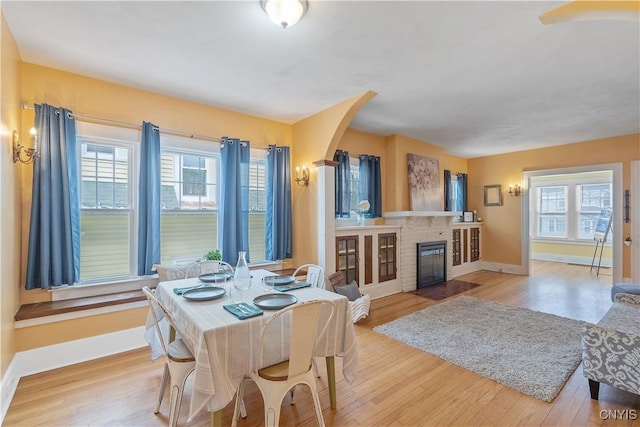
{"x": 315, "y": 138}
{"x": 357, "y": 142}
{"x": 75, "y": 329}
{"x": 501, "y": 237}
{"x": 9, "y": 194}
{"x": 397, "y": 184}
{"x": 584, "y": 250}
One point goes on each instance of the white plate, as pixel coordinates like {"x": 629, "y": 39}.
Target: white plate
{"x": 278, "y": 280}
{"x": 274, "y": 301}
{"x": 215, "y": 277}
{"x": 204, "y": 294}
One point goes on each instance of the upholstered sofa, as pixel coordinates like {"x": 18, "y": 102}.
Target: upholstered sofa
{"x": 611, "y": 349}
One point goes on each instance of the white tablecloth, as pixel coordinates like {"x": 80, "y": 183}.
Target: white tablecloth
{"x": 224, "y": 346}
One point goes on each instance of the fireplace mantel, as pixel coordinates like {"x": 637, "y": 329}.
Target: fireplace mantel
{"x": 408, "y": 214}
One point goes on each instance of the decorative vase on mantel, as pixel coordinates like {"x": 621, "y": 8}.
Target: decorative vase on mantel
{"x": 363, "y": 207}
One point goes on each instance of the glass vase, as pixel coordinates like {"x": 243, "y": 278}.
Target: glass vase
{"x": 360, "y": 219}
{"x": 242, "y": 275}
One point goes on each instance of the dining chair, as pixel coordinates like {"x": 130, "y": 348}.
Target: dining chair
{"x": 179, "y": 361}
{"x": 315, "y": 274}
{"x": 275, "y": 381}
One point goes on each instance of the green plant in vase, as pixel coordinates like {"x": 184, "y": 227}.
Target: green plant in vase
{"x": 214, "y": 255}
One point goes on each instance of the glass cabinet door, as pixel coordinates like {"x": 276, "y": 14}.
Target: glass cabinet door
{"x": 386, "y": 256}
{"x": 347, "y": 257}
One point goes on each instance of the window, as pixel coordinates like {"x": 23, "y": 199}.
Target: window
{"x": 456, "y": 204}
{"x": 257, "y": 208}
{"x": 592, "y": 198}
{"x": 189, "y": 217}
{"x": 106, "y": 209}
{"x": 190, "y": 174}
{"x": 354, "y": 198}
{"x": 552, "y": 212}
{"x": 194, "y": 176}
{"x": 189, "y": 203}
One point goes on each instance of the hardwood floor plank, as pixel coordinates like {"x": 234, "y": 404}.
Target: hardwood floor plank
{"x": 396, "y": 385}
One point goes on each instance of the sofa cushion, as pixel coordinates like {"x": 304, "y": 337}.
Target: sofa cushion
{"x": 623, "y": 315}
{"x": 351, "y": 291}
{"x": 624, "y": 288}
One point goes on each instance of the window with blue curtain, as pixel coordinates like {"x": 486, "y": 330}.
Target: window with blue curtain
{"x": 234, "y": 199}
{"x": 53, "y": 256}
{"x": 462, "y": 203}
{"x": 370, "y": 185}
{"x": 449, "y": 193}
{"x": 279, "y": 223}
{"x": 343, "y": 184}
{"x": 149, "y": 200}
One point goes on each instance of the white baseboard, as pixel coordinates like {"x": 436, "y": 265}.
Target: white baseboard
{"x": 7, "y": 389}
{"x": 580, "y": 260}
{"x": 43, "y": 359}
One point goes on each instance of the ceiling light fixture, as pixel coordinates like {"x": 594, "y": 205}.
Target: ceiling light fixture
{"x": 285, "y": 13}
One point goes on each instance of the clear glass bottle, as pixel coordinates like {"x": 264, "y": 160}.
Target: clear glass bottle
{"x": 242, "y": 275}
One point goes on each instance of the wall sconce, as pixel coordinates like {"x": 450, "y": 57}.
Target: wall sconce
{"x": 515, "y": 190}
{"x": 18, "y": 150}
{"x": 304, "y": 178}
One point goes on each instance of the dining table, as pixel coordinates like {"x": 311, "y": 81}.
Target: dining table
{"x": 225, "y": 346}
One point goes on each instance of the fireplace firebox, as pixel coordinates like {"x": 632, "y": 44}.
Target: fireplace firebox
{"x": 431, "y": 263}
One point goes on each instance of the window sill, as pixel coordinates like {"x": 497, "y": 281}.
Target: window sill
{"x": 54, "y": 311}
{"x": 105, "y": 289}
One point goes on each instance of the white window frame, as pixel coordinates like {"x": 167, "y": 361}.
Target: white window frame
{"x": 210, "y": 159}
{"x": 132, "y": 196}
{"x": 578, "y": 205}
{"x": 99, "y": 133}
{"x": 572, "y": 204}
{"x": 564, "y": 213}
{"x": 176, "y": 145}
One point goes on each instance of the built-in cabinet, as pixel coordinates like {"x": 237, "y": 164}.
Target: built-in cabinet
{"x": 465, "y": 240}
{"x": 369, "y": 256}
{"x": 348, "y": 257}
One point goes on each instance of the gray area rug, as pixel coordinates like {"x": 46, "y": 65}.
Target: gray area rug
{"x": 529, "y": 351}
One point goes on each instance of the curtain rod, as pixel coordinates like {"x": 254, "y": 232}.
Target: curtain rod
{"x": 121, "y": 123}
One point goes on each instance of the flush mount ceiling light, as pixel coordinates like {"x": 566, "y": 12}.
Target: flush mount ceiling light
{"x": 285, "y": 13}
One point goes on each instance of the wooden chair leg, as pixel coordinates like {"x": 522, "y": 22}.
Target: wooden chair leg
{"x": 594, "y": 388}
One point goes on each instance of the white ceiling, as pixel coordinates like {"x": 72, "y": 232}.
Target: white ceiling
{"x": 476, "y": 77}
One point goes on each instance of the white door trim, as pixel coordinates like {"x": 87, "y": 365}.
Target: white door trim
{"x": 616, "y": 241}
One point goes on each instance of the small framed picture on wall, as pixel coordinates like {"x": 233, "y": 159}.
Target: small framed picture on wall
{"x": 493, "y": 195}
{"x": 468, "y": 217}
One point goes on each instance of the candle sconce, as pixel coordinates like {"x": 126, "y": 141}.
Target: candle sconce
{"x": 515, "y": 190}
{"x": 302, "y": 176}
{"x": 29, "y": 153}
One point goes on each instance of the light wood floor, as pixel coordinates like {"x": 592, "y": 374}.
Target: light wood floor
{"x": 396, "y": 384}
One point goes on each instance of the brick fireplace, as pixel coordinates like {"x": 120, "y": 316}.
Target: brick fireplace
{"x": 417, "y": 227}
